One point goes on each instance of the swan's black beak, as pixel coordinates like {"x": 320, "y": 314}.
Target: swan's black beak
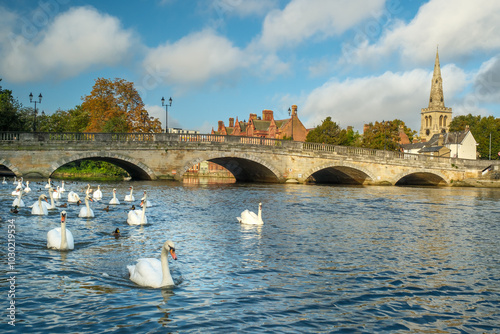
{"x": 172, "y": 252}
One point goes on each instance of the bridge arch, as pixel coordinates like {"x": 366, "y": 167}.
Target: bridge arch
{"x": 343, "y": 173}
{"x": 136, "y": 169}
{"x": 11, "y": 167}
{"x": 244, "y": 167}
{"x": 420, "y": 178}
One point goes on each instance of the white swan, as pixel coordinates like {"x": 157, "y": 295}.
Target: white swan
{"x": 86, "y": 211}
{"x": 73, "y": 197}
{"x": 56, "y": 193}
{"x": 47, "y": 186}
{"x": 130, "y": 197}
{"x": 4, "y": 182}
{"x": 148, "y": 203}
{"x": 50, "y": 206}
{"x": 16, "y": 192}
{"x": 60, "y": 237}
{"x": 19, "y": 184}
{"x": 151, "y": 272}
{"x": 27, "y": 189}
{"x": 97, "y": 194}
{"x": 249, "y": 217}
{"x": 38, "y": 208}
{"x": 87, "y": 192}
{"x": 15, "y": 180}
{"x": 62, "y": 187}
{"x": 114, "y": 200}
{"x": 138, "y": 217}
{"x": 18, "y": 201}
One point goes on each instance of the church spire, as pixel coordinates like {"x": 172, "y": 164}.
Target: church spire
{"x": 436, "y": 99}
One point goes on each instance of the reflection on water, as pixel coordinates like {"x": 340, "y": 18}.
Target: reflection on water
{"x": 208, "y": 180}
{"x": 328, "y": 258}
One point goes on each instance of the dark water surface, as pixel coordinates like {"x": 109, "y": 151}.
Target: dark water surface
{"x": 327, "y": 259}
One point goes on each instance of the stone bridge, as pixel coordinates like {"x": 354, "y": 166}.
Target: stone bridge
{"x": 156, "y": 156}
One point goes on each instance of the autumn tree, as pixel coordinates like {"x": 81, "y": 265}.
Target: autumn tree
{"x": 330, "y": 132}
{"x": 116, "y": 106}
{"x": 382, "y": 135}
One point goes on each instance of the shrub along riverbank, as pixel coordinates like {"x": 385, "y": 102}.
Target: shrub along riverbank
{"x": 90, "y": 170}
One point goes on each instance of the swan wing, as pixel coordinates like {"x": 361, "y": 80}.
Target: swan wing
{"x": 146, "y": 272}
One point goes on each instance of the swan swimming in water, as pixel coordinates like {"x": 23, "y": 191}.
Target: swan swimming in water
{"x": 249, "y": 217}
{"x": 97, "y": 195}
{"x": 60, "y": 237}
{"x": 114, "y": 200}
{"x": 148, "y": 203}
{"x": 130, "y": 197}
{"x": 151, "y": 272}
{"x": 50, "y": 206}
{"x": 4, "y": 182}
{"x": 137, "y": 217}
{"x": 56, "y": 193}
{"x": 27, "y": 189}
{"x": 18, "y": 202}
{"x": 86, "y": 211}
{"x": 73, "y": 197}
{"x": 62, "y": 187}
{"x": 48, "y": 185}
{"x": 38, "y": 208}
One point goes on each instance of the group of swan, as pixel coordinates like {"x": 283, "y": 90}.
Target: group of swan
{"x": 148, "y": 272}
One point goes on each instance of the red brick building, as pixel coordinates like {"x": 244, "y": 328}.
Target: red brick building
{"x": 265, "y": 126}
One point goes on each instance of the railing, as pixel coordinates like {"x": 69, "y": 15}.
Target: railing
{"x": 209, "y": 138}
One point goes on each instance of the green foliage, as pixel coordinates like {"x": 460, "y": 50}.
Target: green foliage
{"x": 330, "y": 132}
{"x": 12, "y": 116}
{"x": 93, "y": 168}
{"x": 481, "y": 128}
{"x": 382, "y": 135}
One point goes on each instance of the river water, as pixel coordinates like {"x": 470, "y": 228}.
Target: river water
{"x": 327, "y": 259}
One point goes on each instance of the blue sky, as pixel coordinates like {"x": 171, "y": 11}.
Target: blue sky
{"x": 357, "y": 61}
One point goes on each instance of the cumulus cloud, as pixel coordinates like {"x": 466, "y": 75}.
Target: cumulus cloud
{"x": 461, "y": 29}
{"x": 354, "y": 102}
{"x": 303, "y": 19}
{"x": 195, "y": 59}
{"x": 73, "y": 42}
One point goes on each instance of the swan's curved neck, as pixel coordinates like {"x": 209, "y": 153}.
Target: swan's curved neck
{"x": 51, "y": 197}
{"x": 40, "y": 204}
{"x": 64, "y": 242}
{"x": 87, "y": 204}
{"x": 144, "y": 212}
{"x": 260, "y": 213}
{"x": 131, "y": 190}
{"x": 114, "y": 195}
{"x": 166, "y": 278}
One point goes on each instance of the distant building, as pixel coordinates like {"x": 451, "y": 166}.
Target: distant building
{"x": 265, "y": 126}
{"x": 460, "y": 144}
{"x": 182, "y": 131}
{"x": 436, "y": 118}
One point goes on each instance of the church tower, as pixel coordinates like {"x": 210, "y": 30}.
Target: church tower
{"x": 436, "y": 118}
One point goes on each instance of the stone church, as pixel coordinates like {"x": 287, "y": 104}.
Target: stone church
{"x": 436, "y": 118}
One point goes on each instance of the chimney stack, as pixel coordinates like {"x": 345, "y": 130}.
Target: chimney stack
{"x": 231, "y": 122}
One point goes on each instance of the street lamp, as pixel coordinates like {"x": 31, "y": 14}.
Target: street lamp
{"x": 31, "y": 101}
{"x": 166, "y": 111}
{"x": 144, "y": 117}
{"x": 291, "y": 114}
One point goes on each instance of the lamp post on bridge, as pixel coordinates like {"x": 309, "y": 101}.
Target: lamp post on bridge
{"x": 34, "y": 116}
{"x": 166, "y": 111}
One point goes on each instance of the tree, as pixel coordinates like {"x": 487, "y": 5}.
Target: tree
{"x": 481, "y": 128}
{"x": 382, "y": 135}
{"x": 13, "y": 117}
{"x": 116, "y": 106}
{"x": 330, "y": 132}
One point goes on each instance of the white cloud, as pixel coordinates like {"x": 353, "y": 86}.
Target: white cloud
{"x": 303, "y": 19}
{"x": 195, "y": 59}
{"x": 73, "y": 42}
{"x": 462, "y": 28}
{"x": 354, "y": 102}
